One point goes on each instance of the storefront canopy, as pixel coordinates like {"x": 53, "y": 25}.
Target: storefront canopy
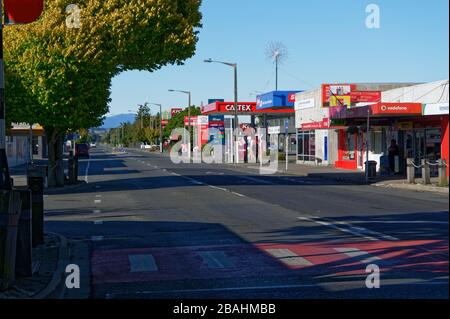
{"x": 244, "y": 108}
{"x": 378, "y": 110}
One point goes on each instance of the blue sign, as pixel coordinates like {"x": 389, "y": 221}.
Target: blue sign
{"x": 286, "y": 126}
{"x": 276, "y": 99}
{"x": 215, "y": 100}
{"x": 217, "y": 124}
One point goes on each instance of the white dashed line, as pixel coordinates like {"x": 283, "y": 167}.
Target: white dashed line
{"x": 97, "y": 201}
{"x": 97, "y": 211}
{"x": 97, "y": 238}
{"x": 98, "y": 222}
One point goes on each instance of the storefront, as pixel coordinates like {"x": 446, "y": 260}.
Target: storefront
{"x": 278, "y": 114}
{"x": 397, "y": 131}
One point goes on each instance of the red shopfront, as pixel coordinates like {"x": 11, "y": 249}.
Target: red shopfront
{"x": 402, "y": 122}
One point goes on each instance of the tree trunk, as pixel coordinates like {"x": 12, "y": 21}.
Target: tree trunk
{"x": 55, "y": 157}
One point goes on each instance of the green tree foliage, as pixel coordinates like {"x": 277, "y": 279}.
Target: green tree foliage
{"x": 60, "y": 77}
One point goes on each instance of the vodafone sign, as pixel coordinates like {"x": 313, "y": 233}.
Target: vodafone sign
{"x": 397, "y": 108}
{"x": 22, "y": 11}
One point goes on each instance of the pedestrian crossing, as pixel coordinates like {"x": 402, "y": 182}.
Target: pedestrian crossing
{"x": 247, "y": 260}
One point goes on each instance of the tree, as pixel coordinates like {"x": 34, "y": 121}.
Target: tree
{"x": 65, "y": 70}
{"x": 178, "y": 121}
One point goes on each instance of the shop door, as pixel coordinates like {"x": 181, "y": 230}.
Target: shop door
{"x": 419, "y": 148}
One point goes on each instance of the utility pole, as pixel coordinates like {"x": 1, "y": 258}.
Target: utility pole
{"x": 5, "y": 179}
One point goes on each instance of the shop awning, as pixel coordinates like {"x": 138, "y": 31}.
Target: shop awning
{"x": 378, "y": 110}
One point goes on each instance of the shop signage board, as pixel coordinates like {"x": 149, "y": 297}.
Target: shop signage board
{"x": 194, "y": 120}
{"x": 216, "y": 125}
{"x": 396, "y": 109}
{"x": 305, "y": 104}
{"x": 337, "y": 94}
{"x": 276, "y": 99}
{"x": 274, "y": 130}
{"x": 324, "y": 124}
{"x": 175, "y": 111}
{"x": 436, "y": 109}
{"x": 365, "y": 96}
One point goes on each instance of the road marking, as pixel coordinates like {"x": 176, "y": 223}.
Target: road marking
{"x": 142, "y": 263}
{"x": 219, "y": 188}
{"x": 97, "y": 238}
{"x": 87, "y": 171}
{"x": 288, "y": 257}
{"x": 216, "y": 259}
{"x": 355, "y": 252}
{"x": 97, "y": 186}
{"x": 329, "y": 224}
{"x": 98, "y": 196}
{"x": 257, "y": 180}
{"x": 97, "y": 201}
{"x": 238, "y": 194}
{"x": 97, "y": 211}
{"x": 98, "y": 222}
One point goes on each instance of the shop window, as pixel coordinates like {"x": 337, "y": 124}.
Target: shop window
{"x": 306, "y": 146}
{"x": 376, "y": 142}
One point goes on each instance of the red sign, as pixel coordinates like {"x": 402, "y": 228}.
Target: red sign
{"x": 337, "y": 94}
{"x": 175, "y": 111}
{"x": 324, "y": 124}
{"x": 194, "y": 120}
{"x": 242, "y": 107}
{"x": 291, "y": 98}
{"x": 365, "y": 96}
{"x": 397, "y": 108}
{"x": 23, "y": 11}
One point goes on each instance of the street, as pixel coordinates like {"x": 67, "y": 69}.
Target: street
{"x": 144, "y": 227}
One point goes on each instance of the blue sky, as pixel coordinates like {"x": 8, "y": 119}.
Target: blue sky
{"x": 327, "y": 41}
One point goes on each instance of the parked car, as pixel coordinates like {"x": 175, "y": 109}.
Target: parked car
{"x": 93, "y": 145}
{"x": 82, "y": 150}
{"x": 145, "y": 146}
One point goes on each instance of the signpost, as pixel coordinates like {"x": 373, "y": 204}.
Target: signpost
{"x": 286, "y": 130}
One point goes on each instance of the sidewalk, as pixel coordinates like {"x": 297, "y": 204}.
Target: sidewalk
{"x": 49, "y": 262}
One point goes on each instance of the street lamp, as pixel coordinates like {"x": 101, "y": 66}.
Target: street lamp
{"x": 160, "y": 126}
{"x": 189, "y": 116}
{"x": 234, "y": 66}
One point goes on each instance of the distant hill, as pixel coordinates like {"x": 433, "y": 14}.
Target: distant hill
{"x": 115, "y": 120}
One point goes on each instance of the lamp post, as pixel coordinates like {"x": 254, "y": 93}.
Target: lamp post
{"x": 160, "y": 126}
{"x": 234, "y": 66}
{"x": 189, "y": 117}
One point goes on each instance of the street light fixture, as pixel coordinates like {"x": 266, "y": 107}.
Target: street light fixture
{"x": 234, "y": 66}
{"x": 160, "y": 125}
{"x": 189, "y": 116}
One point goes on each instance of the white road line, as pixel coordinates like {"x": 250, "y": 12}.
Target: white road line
{"x": 355, "y": 252}
{"x": 87, "y": 171}
{"x": 97, "y": 201}
{"x": 288, "y": 257}
{"x": 257, "y": 180}
{"x": 98, "y": 196}
{"x": 216, "y": 259}
{"x": 329, "y": 224}
{"x": 219, "y": 188}
{"x": 97, "y": 211}
{"x": 98, "y": 222}
{"x": 238, "y": 194}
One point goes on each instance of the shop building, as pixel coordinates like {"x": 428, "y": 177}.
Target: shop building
{"x": 277, "y": 115}
{"x": 318, "y": 136}
{"x": 408, "y": 122}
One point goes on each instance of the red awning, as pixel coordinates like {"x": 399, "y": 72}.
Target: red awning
{"x": 376, "y": 110}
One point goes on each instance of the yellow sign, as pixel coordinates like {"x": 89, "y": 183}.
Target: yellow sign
{"x": 409, "y": 125}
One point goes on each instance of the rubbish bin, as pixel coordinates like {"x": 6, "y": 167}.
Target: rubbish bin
{"x": 10, "y": 206}
{"x": 371, "y": 169}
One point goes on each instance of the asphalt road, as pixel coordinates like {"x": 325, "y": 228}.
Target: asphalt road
{"x": 144, "y": 227}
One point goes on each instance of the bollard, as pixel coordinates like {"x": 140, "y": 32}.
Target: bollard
{"x": 10, "y": 206}
{"x": 410, "y": 171}
{"x": 24, "y": 238}
{"x": 36, "y": 185}
{"x": 443, "y": 181}
{"x": 425, "y": 172}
